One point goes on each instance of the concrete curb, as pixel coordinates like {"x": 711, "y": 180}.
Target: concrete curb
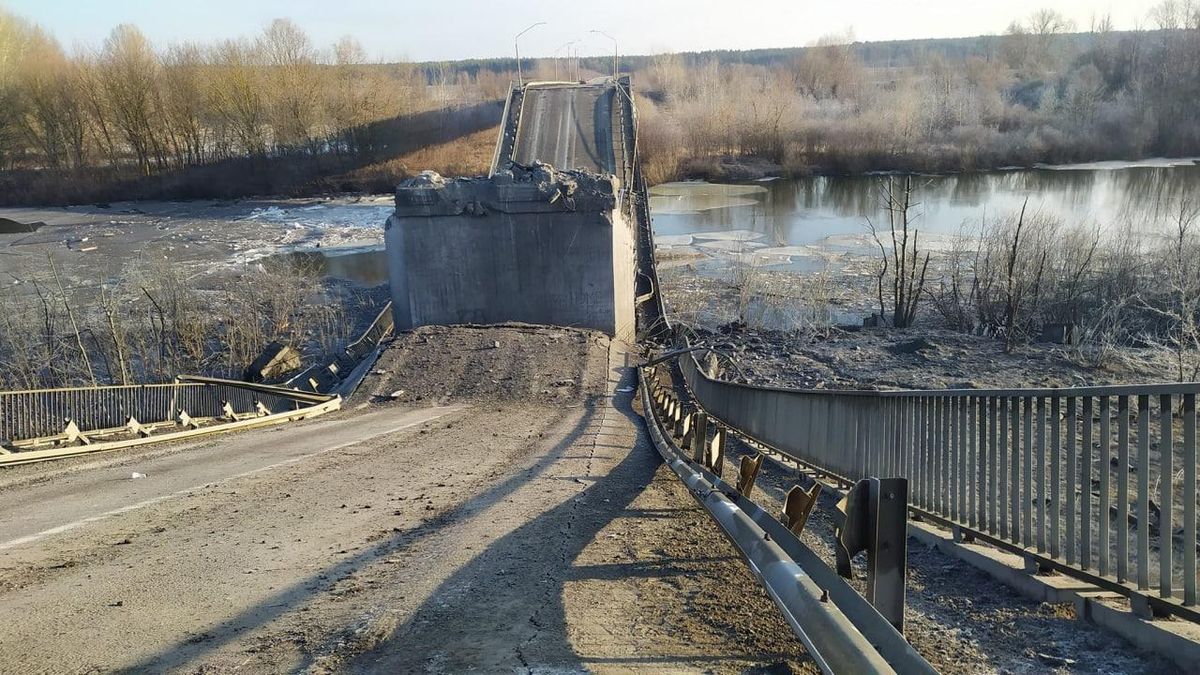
{"x": 1178, "y": 641}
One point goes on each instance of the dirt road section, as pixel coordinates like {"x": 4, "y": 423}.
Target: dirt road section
{"x": 509, "y": 534}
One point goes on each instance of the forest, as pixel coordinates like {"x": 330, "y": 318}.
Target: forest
{"x": 281, "y": 115}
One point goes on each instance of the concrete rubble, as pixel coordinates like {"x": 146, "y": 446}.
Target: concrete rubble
{"x": 432, "y": 194}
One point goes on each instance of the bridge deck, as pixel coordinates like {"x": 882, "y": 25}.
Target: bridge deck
{"x": 567, "y": 126}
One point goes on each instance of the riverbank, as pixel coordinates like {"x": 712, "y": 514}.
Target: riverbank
{"x": 813, "y": 352}
{"x": 143, "y": 291}
{"x": 724, "y": 168}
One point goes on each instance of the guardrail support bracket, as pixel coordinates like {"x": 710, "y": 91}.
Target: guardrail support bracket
{"x": 73, "y": 434}
{"x": 747, "y": 472}
{"x": 798, "y": 505}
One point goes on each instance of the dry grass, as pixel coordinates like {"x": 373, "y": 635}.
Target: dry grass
{"x": 470, "y": 155}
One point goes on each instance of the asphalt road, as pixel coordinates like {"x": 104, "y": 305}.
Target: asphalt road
{"x": 106, "y": 487}
{"x": 495, "y": 535}
{"x": 568, "y": 127}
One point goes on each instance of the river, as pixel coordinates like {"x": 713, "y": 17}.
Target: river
{"x": 778, "y": 216}
{"x": 793, "y": 223}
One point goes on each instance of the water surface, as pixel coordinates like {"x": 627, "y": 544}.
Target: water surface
{"x": 823, "y": 210}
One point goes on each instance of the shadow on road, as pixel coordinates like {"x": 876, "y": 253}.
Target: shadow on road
{"x": 300, "y": 593}
{"x": 504, "y": 610}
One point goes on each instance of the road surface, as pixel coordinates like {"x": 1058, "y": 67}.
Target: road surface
{"x": 568, "y": 127}
{"x": 495, "y": 534}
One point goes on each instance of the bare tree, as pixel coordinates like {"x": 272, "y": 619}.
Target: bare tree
{"x": 906, "y": 270}
{"x": 130, "y": 71}
{"x": 1181, "y": 306}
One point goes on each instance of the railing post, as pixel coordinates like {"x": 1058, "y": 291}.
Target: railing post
{"x": 1143, "y": 497}
{"x": 1104, "y": 513}
{"x": 1189, "y": 500}
{"x": 1014, "y": 477}
{"x": 1041, "y": 475}
{"x": 990, "y": 466}
{"x": 1122, "y": 489}
{"x": 1166, "y": 480}
{"x": 1002, "y": 469}
{"x": 1027, "y": 476}
{"x": 1085, "y": 486}
{"x": 1056, "y": 477}
{"x": 1072, "y": 482}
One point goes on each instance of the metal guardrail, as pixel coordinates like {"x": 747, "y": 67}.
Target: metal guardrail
{"x": 325, "y": 376}
{"x": 840, "y": 629}
{"x": 651, "y": 312}
{"x": 1082, "y": 480}
{"x": 54, "y": 423}
{"x": 40, "y": 413}
{"x": 502, "y": 142}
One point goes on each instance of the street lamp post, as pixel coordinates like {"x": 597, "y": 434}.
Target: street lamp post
{"x": 614, "y": 41}
{"x": 517, "y": 49}
{"x": 556, "y": 51}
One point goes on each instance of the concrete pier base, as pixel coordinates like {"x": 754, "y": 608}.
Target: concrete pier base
{"x": 528, "y": 244}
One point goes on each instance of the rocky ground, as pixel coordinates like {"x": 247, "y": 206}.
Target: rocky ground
{"x": 822, "y": 346}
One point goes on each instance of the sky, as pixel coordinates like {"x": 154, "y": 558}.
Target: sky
{"x": 436, "y": 30}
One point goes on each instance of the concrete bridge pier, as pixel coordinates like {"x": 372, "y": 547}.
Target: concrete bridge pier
{"x": 527, "y": 244}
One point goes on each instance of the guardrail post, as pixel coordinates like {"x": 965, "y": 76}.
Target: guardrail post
{"x": 699, "y": 436}
{"x": 876, "y": 521}
{"x": 747, "y": 472}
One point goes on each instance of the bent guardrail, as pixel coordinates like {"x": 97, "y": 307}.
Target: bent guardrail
{"x": 1067, "y": 478}
{"x": 44, "y": 424}
{"x": 327, "y": 376}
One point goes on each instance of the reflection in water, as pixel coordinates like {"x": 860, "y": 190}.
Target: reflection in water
{"x": 808, "y": 210}
{"x": 366, "y": 268}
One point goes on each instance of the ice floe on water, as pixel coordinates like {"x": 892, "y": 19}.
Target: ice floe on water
{"x": 692, "y": 197}
{"x": 729, "y": 235}
{"x": 732, "y": 246}
{"x": 686, "y": 188}
{"x": 787, "y": 251}
{"x": 323, "y": 215}
{"x": 673, "y": 240}
{"x": 1117, "y": 165}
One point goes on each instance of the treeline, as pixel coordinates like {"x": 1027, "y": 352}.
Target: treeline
{"x": 1039, "y": 93}
{"x": 128, "y": 103}
{"x": 131, "y": 119}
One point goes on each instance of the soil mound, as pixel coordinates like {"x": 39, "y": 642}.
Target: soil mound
{"x": 518, "y": 362}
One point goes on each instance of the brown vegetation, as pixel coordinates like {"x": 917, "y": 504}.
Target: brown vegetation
{"x": 1042, "y": 96}
{"x": 272, "y": 115}
{"x": 154, "y": 323}
{"x": 467, "y": 156}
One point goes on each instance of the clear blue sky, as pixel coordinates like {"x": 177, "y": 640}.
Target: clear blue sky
{"x": 453, "y": 29}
